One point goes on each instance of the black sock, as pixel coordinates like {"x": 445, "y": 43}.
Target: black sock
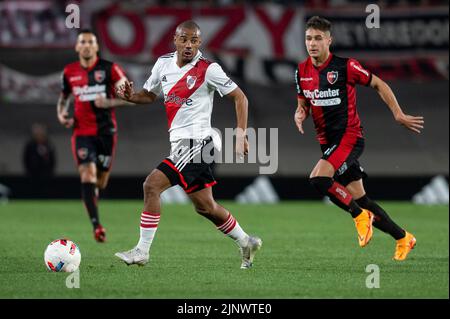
{"x": 337, "y": 193}
{"x": 382, "y": 220}
{"x": 90, "y": 202}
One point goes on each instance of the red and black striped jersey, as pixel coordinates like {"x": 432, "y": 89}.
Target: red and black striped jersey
{"x": 331, "y": 95}
{"x": 85, "y": 84}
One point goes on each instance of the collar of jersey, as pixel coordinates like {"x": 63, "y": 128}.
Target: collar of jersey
{"x": 92, "y": 66}
{"x": 193, "y": 62}
{"x": 324, "y": 65}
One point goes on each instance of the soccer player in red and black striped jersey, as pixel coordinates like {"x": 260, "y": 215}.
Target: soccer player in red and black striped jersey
{"x": 326, "y": 90}
{"x": 92, "y": 81}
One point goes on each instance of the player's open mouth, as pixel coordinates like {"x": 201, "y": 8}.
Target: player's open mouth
{"x": 187, "y": 54}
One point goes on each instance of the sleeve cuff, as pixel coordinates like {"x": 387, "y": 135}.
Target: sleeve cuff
{"x": 370, "y": 79}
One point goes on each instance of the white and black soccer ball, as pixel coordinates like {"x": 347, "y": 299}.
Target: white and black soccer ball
{"x": 62, "y": 255}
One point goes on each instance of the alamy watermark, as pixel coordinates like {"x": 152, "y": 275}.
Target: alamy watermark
{"x": 73, "y": 280}
{"x": 373, "y": 19}
{"x": 229, "y": 148}
{"x": 373, "y": 279}
{"x": 73, "y": 17}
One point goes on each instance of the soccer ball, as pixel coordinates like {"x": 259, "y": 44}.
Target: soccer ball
{"x": 62, "y": 255}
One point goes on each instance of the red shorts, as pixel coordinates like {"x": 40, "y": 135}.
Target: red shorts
{"x": 343, "y": 155}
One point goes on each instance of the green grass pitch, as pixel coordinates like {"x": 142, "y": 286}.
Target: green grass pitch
{"x": 310, "y": 250}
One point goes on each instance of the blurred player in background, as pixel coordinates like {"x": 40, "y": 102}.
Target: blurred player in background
{"x": 92, "y": 81}
{"x": 326, "y": 89}
{"x": 188, "y": 82}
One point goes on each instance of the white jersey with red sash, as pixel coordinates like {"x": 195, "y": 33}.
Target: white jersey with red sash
{"x": 188, "y": 93}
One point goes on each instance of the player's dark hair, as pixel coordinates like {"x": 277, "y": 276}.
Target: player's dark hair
{"x": 318, "y": 23}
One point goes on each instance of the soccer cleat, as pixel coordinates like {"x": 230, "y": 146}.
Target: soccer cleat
{"x": 404, "y": 246}
{"x": 100, "y": 234}
{"x": 363, "y": 223}
{"x": 248, "y": 252}
{"x": 134, "y": 256}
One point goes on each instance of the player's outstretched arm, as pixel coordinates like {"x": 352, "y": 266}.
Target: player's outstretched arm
{"x": 241, "y": 104}
{"x": 62, "y": 111}
{"x": 413, "y": 123}
{"x": 105, "y": 103}
{"x": 301, "y": 114}
{"x": 126, "y": 93}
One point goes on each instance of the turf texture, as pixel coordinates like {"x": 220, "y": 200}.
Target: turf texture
{"x": 310, "y": 250}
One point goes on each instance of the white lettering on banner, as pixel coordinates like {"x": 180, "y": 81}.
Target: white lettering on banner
{"x": 414, "y": 31}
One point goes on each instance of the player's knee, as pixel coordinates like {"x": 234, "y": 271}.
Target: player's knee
{"x": 88, "y": 177}
{"x": 321, "y": 183}
{"x": 102, "y": 184}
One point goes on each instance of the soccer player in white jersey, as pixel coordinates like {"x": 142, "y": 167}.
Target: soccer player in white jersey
{"x": 188, "y": 82}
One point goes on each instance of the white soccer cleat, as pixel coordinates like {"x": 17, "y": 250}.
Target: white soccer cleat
{"x": 134, "y": 256}
{"x": 248, "y": 252}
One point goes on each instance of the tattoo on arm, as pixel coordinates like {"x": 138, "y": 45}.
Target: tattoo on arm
{"x": 63, "y": 103}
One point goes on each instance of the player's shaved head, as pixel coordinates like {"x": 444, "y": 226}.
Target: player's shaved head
{"x": 188, "y": 25}
{"x": 187, "y": 40}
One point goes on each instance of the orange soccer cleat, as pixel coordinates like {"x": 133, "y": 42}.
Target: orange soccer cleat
{"x": 404, "y": 246}
{"x": 363, "y": 223}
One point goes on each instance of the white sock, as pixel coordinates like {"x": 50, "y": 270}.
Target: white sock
{"x": 149, "y": 225}
{"x": 232, "y": 229}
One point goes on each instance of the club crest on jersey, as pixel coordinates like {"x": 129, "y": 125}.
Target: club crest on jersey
{"x": 99, "y": 76}
{"x": 82, "y": 153}
{"x": 190, "y": 81}
{"x": 332, "y": 77}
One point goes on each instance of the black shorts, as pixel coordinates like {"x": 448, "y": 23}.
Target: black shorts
{"x": 94, "y": 149}
{"x": 190, "y": 164}
{"x": 343, "y": 155}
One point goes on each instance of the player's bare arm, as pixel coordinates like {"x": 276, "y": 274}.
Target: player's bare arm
{"x": 126, "y": 93}
{"x": 241, "y": 104}
{"x": 413, "y": 123}
{"x": 105, "y": 103}
{"x": 62, "y": 111}
{"x": 301, "y": 114}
